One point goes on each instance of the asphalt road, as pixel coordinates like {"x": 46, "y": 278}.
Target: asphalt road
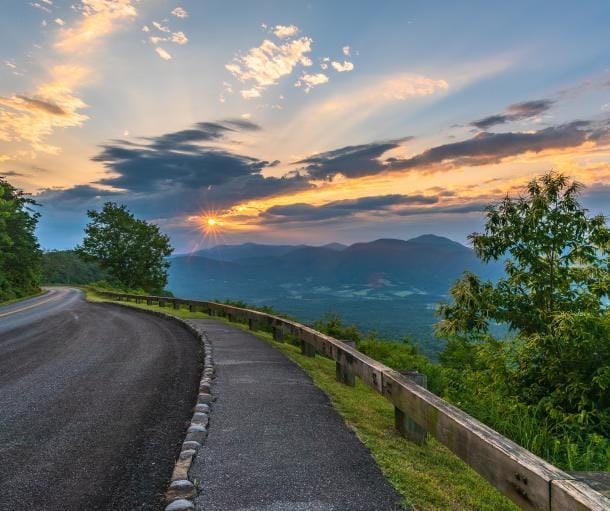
{"x": 94, "y": 403}
{"x": 275, "y": 442}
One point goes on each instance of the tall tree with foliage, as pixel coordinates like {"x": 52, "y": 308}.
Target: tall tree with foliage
{"x": 132, "y": 251}
{"x": 554, "y": 300}
{"x": 20, "y": 254}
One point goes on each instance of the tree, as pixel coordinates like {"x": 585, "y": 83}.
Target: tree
{"x": 554, "y": 298}
{"x": 132, "y": 251}
{"x": 20, "y": 254}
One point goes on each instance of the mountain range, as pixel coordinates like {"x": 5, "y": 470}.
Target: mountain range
{"x": 391, "y": 286}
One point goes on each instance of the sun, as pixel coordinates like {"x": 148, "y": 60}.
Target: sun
{"x": 212, "y": 222}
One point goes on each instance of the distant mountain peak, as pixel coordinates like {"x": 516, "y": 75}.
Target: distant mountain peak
{"x": 434, "y": 239}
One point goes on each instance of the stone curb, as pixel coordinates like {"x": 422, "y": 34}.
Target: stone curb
{"x": 182, "y": 491}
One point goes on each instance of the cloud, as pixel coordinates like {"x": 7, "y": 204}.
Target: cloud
{"x": 458, "y": 209}
{"x": 486, "y": 148}
{"x": 38, "y": 5}
{"x": 351, "y": 161}
{"x": 309, "y": 81}
{"x": 302, "y": 212}
{"x": 179, "y": 173}
{"x": 250, "y": 93}
{"x": 163, "y": 53}
{"x": 38, "y": 105}
{"x": 161, "y": 28}
{"x": 76, "y": 197}
{"x": 482, "y": 149}
{"x": 60, "y": 22}
{"x": 264, "y": 65}
{"x": 515, "y": 112}
{"x": 283, "y": 31}
{"x": 346, "y": 51}
{"x": 32, "y": 118}
{"x": 342, "y": 68}
{"x": 99, "y": 18}
{"x": 179, "y": 12}
{"x": 185, "y": 159}
{"x": 179, "y": 38}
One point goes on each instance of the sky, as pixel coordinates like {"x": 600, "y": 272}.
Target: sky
{"x": 299, "y": 122}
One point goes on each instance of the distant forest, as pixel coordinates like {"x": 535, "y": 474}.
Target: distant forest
{"x": 66, "y": 267}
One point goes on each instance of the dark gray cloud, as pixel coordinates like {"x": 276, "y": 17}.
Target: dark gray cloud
{"x": 44, "y": 106}
{"x": 301, "y": 212}
{"x": 515, "y": 112}
{"x": 351, "y": 161}
{"x": 182, "y": 159}
{"x": 78, "y": 197}
{"x": 472, "y": 207}
{"x": 485, "y": 148}
{"x": 178, "y": 173}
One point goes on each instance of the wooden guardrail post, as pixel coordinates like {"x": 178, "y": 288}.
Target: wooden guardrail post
{"x": 252, "y": 324}
{"x": 192, "y": 307}
{"x": 138, "y": 299}
{"x": 344, "y": 372}
{"x": 405, "y": 425}
{"x": 278, "y": 333}
{"x": 148, "y": 301}
{"x": 307, "y": 349}
{"x": 161, "y": 302}
{"x": 176, "y": 304}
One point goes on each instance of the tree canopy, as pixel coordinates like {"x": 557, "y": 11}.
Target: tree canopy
{"x": 20, "y": 255}
{"x": 132, "y": 251}
{"x": 553, "y": 300}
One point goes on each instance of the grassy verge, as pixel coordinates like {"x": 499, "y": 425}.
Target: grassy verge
{"x": 15, "y": 300}
{"x": 429, "y": 477}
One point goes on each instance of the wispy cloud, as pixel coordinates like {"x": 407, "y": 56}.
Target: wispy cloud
{"x": 163, "y": 53}
{"x": 264, "y": 65}
{"x": 32, "y": 118}
{"x": 301, "y": 212}
{"x": 309, "y": 81}
{"x": 165, "y": 36}
{"x": 487, "y": 148}
{"x": 283, "y": 31}
{"x": 342, "y": 67}
{"x": 180, "y": 12}
{"x": 98, "y": 18}
{"x": 516, "y": 112}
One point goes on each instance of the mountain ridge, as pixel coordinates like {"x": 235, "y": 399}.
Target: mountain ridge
{"x": 388, "y": 285}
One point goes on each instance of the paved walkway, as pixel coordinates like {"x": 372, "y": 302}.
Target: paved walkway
{"x": 275, "y": 442}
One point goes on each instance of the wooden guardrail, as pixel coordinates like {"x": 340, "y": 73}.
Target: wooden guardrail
{"x": 529, "y": 481}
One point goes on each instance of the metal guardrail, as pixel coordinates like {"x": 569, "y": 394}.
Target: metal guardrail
{"x": 529, "y": 481}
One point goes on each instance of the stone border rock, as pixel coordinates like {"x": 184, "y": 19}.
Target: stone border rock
{"x": 182, "y": 491}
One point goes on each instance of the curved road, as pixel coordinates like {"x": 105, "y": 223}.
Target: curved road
{"x": 94, "y": 402}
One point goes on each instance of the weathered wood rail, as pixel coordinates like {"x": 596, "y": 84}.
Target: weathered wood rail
{"x": 529, "y": 481}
